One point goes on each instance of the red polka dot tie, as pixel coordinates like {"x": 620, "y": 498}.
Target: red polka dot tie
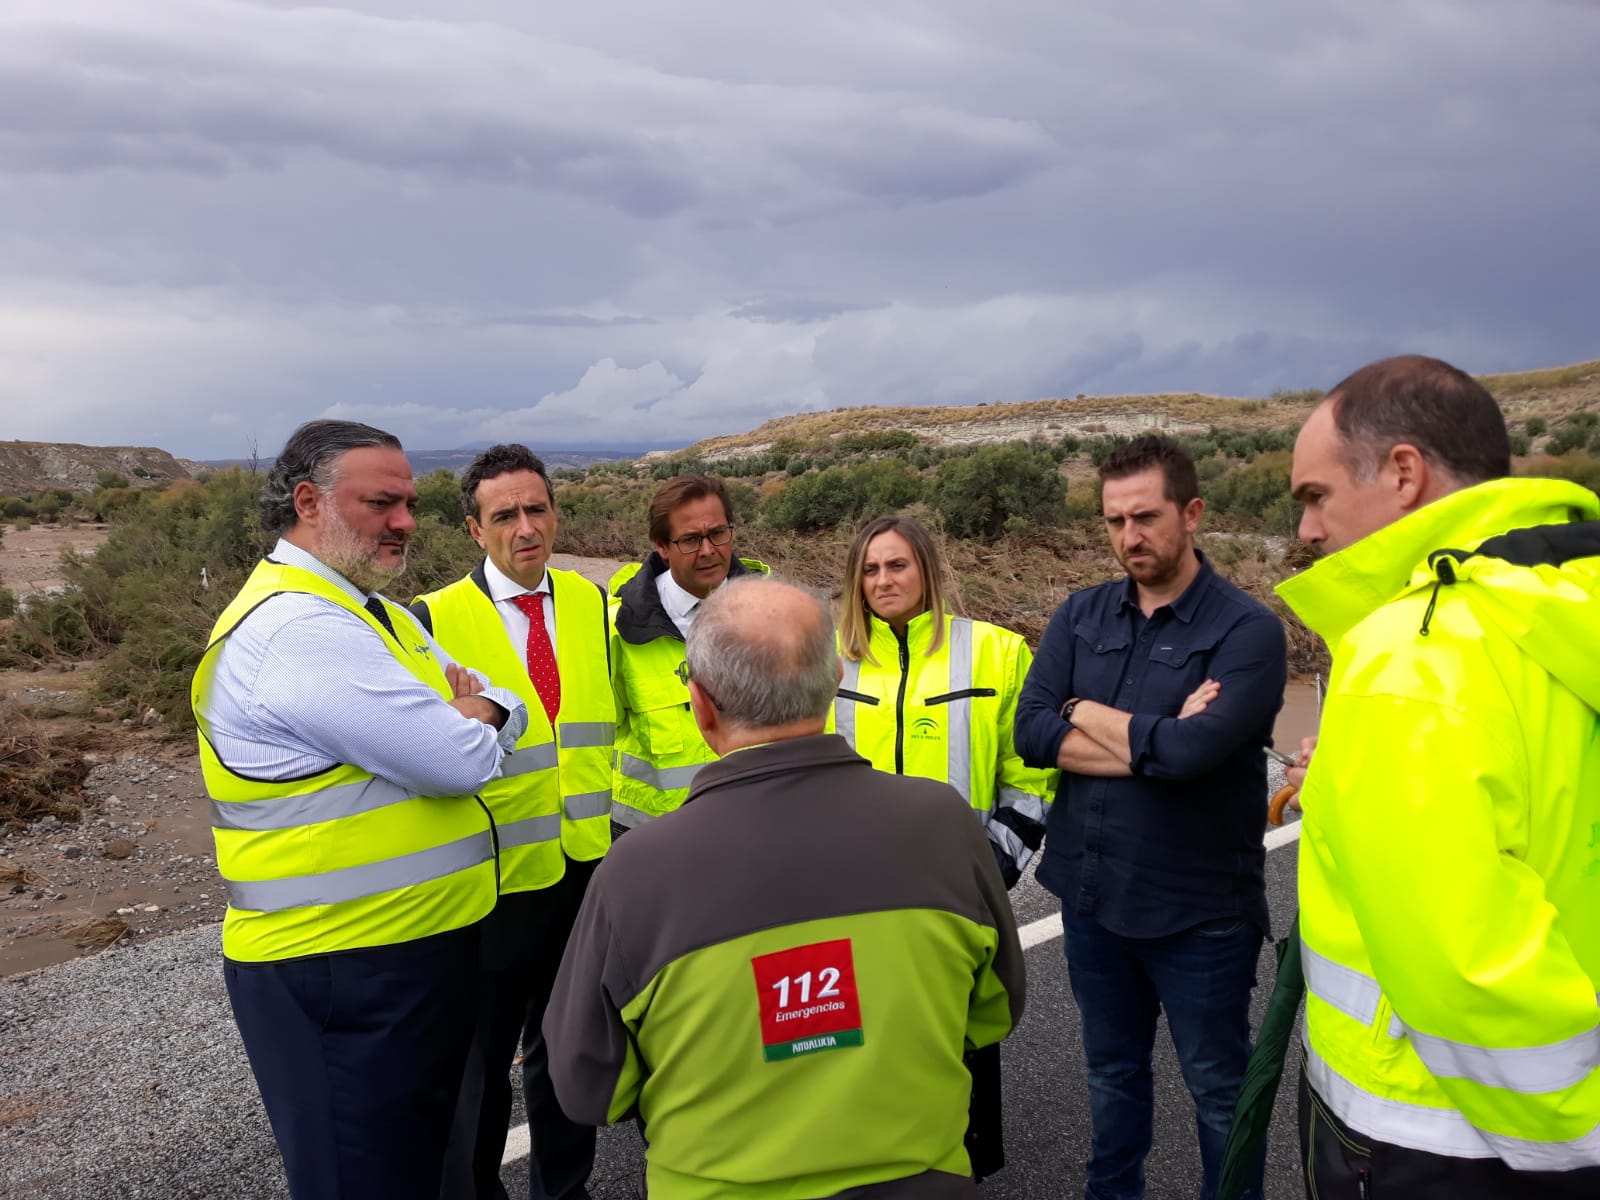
{"x": 541, "y": 654}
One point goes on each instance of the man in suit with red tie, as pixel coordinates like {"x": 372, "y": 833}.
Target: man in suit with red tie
{"x": 545, "y": 632}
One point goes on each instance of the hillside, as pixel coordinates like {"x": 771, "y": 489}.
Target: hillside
{"x": 1551, "y": 393}
{"x": 27, "y": 467}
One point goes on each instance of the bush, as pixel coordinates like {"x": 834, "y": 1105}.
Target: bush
{"x": 979, "y": 493}
{"x": 107, "y": 480}
{"x": 1535, "y": 426}
{"x": 8, "y": 603}
{"x": 439, "y": 496}
{"x": 1251, "y": 492}
{"x": 1520, "y": 443}
{"x": 839, "y": 495}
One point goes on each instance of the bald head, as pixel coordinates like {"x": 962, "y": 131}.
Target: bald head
{"x": 764, "y": 650}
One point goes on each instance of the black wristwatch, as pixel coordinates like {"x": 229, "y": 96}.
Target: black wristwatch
{"x": 1068, "y": 707}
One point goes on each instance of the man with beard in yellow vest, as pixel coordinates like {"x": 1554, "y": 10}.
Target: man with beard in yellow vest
{"x": 544, "y": 633}
{"x": 343, "y": 752}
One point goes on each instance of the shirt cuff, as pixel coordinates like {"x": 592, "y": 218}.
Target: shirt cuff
{"x": 1140, "y": 729}
{"x": 516, "y": 715}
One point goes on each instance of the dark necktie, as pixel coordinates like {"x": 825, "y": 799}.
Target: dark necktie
{"x": 377, "y": 609}
{"x": 541, "y": 654}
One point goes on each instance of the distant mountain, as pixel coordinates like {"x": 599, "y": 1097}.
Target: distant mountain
{"x": 27, "y": 467}
{"x": 424, "y": 461}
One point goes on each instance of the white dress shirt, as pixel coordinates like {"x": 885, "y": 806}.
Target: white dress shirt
{"x": 680, "y": 604}
{"x": 504, "y": 590}
{"x": 302, "y": 685}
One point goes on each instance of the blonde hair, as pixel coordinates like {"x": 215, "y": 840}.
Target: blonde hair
{"x": 855, "y": 619}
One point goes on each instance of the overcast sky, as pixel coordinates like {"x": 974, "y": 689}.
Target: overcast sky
{"x": 582, "y": 223}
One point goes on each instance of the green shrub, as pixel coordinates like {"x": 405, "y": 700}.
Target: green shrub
{"x": 107, "y": 480}
{"x": 1521, "y": 443}
{"x": 978, "y": 493}
{"x": 439, "y": 496}
{"x": 1535, "y": 426}
{"x": 8, "y": 603}
{"x": 1250, "y": 492}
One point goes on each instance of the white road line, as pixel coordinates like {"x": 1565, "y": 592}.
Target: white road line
{"x": 1035, "y": 933}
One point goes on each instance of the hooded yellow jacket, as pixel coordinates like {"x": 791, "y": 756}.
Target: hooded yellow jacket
{"x": 1450, "y": 861}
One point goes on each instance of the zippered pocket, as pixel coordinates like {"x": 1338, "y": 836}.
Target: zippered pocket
{"x": 963, "y": 694}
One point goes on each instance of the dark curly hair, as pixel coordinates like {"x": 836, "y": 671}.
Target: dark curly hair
{"x": 496, "y": 461}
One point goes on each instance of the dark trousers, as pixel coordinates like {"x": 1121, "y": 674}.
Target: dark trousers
{"x": 523, "y": 941}
{"x": 1338, "y": 1161}
{"x": 358, "y": 1056}
{"x": 985, "y": 1129}
{"x": 1202, "y": 979}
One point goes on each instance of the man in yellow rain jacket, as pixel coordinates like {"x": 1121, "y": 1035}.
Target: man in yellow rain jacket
{"x": 1450, "y": 864}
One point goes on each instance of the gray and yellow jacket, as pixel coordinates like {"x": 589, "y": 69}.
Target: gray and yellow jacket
{"x": 783, "y": 1005}
{"x": 659, "y": 747}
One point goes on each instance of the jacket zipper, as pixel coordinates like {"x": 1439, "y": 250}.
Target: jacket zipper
{"x": 900, "y": 705}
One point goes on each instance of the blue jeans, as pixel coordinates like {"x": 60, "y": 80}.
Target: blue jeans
{"x": 1202, "y": 978}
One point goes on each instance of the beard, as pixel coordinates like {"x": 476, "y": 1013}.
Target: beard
{"x": 1154, "y": 570}
{"x": 356, "y": 557}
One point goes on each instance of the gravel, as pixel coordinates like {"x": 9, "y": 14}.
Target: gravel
{"x": 124, "y": 1076}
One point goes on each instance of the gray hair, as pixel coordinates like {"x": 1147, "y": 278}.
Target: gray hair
{"x": 762, "y": 673}
{"x": 308, "y": 456}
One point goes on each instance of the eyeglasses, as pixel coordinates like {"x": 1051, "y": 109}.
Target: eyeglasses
{"x": 689, "y": 543}
{"x": 684, "y": 675}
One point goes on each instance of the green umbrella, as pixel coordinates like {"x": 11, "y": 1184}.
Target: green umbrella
{"x": 1252, "y": 1112}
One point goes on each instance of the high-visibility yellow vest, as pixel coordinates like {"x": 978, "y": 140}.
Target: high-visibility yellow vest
{"x": 341, "y": 860}
{"x": 555, "y": 791}
{"x": 1450, "y": 862}
{"x": 947, "y": 715}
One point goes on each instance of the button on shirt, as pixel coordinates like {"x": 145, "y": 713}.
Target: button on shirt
{"x": 1179, "y": 841}
{"x": 679, "y": 603}
{"x": 302, "y": 685}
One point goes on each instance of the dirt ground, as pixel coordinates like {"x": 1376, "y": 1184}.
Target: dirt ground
{"x": 30, "y": 560}
{"x": 142, "y": 853}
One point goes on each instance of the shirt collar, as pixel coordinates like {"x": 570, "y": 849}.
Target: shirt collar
{"x": 674, "y": 598}
{"x": 1185, "y": 605}
{"x": 503, "y": 587}
{"x": 290, "y": 555}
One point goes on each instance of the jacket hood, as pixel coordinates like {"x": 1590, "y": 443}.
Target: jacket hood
{"x": 640, "y": 615}
{"x": 1524, "y": 553}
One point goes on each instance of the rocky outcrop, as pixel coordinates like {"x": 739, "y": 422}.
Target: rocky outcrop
{"x": 27, "y": 467}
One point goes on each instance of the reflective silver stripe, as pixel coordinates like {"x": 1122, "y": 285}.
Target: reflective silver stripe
{"x": 368, "y": 879}
{"x": 1006, "y": 838}
{"x": 584, "y": 805}
{"x": 530, "y": 831}
{"x": 958, "y": 733}
{"x": 1529, "y": 1069}
{"x": 584, "y": 735}
{"x": 1025, "y": 803}
{"x": 1352, "y": 993}
{"x": 1441, "y": 1130}
{"x": 844, "y": 711}
{"x": 542, "y": 757}
{"x": 663, "y": 779}
{"x": 312, "y": 808}
{"x": 627, "y": 816}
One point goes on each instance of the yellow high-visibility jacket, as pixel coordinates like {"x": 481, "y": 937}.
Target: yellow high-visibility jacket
{"x": 552, "y": 801}
{"x": 948, "y": 714}
{"x": 1450, "y": 860}
{"x": 340, "y": 860}
{"x": 659, "y": 747}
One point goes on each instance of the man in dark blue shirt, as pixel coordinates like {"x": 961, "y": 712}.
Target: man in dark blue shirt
{"x": 1155, "y": 695}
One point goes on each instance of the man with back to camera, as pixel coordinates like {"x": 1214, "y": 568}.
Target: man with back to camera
{"x": 1450, "y": 860}
{"x": 342, "y": 750}
{"x": 545, "y": 634}
{"x": 659, "y": 748}
{"x": 783, "y": 1005}
{"x": 1155, "y": 694}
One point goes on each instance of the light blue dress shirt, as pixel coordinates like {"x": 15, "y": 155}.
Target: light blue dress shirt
{"x": 302, "y": 685}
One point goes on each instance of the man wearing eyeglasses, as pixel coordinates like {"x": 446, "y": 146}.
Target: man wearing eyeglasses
{"x": 659, "y": 747}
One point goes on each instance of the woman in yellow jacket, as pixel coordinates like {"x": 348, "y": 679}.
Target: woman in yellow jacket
{"x": 928, "y": 692}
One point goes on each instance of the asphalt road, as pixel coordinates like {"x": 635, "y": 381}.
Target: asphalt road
{"x": 123, "y": 1075}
